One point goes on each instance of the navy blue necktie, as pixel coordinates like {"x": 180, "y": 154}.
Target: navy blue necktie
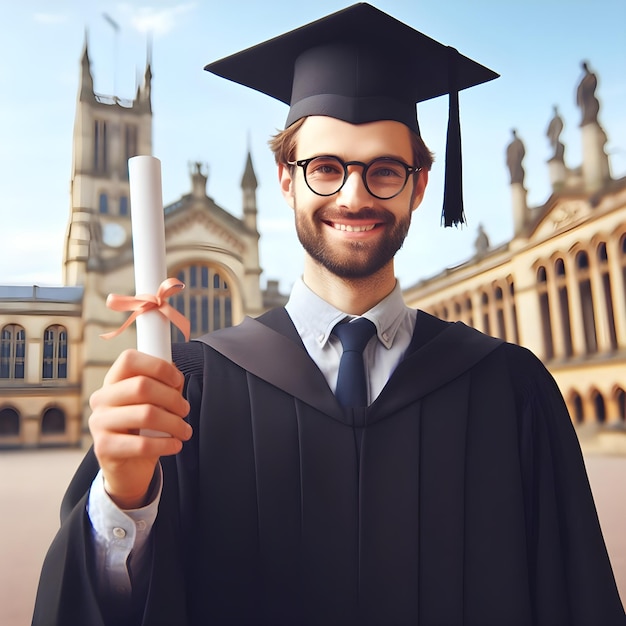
{"x": 351, "y": 384}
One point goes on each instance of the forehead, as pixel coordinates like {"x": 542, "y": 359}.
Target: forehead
{"x": 328, "y": 135}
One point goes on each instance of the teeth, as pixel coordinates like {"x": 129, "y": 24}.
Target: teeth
{"x": 353, "y": 229}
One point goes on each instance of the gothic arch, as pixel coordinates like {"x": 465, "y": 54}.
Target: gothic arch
{"x": 208, "y": 298}
{"x": 576, "y": 407}
{"x": 53, "y": 421}
{"x": 12, "y": 351}
{"x": 619, "y": 397}
{"x": 9, "y": 422}
{"x": 599, "y": 406}
{"x": 583, "y": 278}
{"x": 54, "y": 361}
{"x": 545, "y": 312}
{"x": 563, "y": 296}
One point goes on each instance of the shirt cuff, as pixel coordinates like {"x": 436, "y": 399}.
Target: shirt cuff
{"x": 117, "y": 532}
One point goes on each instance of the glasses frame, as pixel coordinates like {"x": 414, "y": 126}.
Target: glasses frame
{"x": 304, "y": 164}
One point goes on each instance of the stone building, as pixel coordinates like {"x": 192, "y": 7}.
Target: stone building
{"x": 51, "y": 354}
{"x": 558, "y": 286}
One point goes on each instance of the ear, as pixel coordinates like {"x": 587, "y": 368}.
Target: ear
{"x": 286, "y": 183}
{"x": 418, "y": 191}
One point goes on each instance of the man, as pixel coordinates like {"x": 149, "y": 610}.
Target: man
{"x": 446, "y": 487}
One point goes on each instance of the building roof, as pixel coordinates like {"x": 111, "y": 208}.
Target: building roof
{"x": 40, "y": 294}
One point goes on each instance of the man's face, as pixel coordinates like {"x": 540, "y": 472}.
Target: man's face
{"x": 351, "y": 234}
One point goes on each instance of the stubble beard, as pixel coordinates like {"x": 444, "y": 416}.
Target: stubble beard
{"x": 357, "y": 259}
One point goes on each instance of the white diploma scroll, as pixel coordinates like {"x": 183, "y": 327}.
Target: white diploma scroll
{"x": 146, "y": 203}
{"x": 148, "y": 228}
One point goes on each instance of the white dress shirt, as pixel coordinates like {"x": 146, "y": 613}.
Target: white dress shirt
{"x": 120, "y": 534}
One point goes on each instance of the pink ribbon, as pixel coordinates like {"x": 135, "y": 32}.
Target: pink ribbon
{"x": 142, "y": 303}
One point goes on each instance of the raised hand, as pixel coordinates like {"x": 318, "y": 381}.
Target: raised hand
{"x": 139, "y": 392}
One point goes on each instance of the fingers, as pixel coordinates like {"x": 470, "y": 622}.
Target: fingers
{"x": 141, "y": 389}
{"x": 132, "y": 419}
{"x": 133, "y": 363}
{"x": 114, "y": 449}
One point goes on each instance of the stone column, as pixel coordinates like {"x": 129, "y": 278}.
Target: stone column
{"x": 558, "y": 173}
{"x": 520, "y": 207}
{"x": 617, "y": 291}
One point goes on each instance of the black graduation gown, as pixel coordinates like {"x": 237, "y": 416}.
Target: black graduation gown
{"x": 458, "y": 497}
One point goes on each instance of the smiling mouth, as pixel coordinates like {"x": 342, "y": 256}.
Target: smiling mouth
{"x": 352, "y": 228}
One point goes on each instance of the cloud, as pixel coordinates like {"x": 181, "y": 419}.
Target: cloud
{"x": 155, "y": 21}
{"x": 50, "y": 18}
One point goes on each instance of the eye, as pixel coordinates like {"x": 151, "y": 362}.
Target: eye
{"x": 325, "y": 166}
{"x": 387, "y": 168}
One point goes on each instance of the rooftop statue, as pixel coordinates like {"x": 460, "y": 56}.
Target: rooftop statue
{"x": 586, "y": 96}
{"x": 515, "y": 153}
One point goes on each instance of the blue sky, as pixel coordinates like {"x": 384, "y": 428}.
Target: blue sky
{"x": 536, "y": 45}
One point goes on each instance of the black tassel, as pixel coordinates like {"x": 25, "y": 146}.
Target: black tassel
{"x": 453, "y": 213}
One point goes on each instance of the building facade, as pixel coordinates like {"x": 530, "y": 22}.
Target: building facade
{"x": 52, "y": 356}
{"x": 558, "y": 286}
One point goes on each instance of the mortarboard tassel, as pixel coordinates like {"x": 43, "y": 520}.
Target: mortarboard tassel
{"x": 453, "y": 213}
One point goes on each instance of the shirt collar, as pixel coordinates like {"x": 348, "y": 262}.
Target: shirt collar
{"x": 316, "y": 318}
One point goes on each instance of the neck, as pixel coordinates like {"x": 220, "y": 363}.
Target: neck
{"x": 353, "y": 296}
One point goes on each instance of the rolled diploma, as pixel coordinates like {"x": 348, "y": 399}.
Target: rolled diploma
{"x": 148, "y": 228}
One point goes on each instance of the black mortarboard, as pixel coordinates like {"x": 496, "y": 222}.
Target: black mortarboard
{"x": 362, "y": 65}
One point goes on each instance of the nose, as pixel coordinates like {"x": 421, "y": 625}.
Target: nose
{"x": 354, "y": 195}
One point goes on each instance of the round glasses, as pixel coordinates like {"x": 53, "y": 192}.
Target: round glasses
{"x": 384, "y": 178}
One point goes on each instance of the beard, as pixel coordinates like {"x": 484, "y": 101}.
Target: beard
{"x": 356, "y": 259}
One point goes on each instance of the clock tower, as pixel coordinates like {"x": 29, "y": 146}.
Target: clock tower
{"x": 108, "y": 130}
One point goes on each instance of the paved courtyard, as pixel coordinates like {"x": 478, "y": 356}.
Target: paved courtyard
{"x": 32, "y": 484}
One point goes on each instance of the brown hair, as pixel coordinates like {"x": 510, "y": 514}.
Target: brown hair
{"x": 283, "y": 145}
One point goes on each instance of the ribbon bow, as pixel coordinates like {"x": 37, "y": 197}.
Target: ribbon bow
{"x": 142, "y": 303}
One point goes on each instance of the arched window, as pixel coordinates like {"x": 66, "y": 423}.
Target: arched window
{"x": 586, "y": 302}
{"x": 100, "y": 147}
{"x": 577, "y": 408}
{"x": 599, "y": 407}
{"x": 9, "y": 422}
{"x": 103, "y": 203}
{"x": 467, "y": 308}
{"x": 544, "y": 311}
{"x": 206, "y": 300}
{"x": 499, "y": 305}
{"x": 123, "y": 206}
{"x": 607, "y": 294}
{"x": 620, "y": 401}
{"x": 456, "y": 310}
{"x": 53, "y": 422}
{"x": 54, "y": 352}
{"x": 12, "y": 351}
{"x": 565, "y": 325}
{"x": 484, "y": 310}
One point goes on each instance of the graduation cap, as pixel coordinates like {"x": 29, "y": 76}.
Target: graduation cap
{"x": 361, "y": 65}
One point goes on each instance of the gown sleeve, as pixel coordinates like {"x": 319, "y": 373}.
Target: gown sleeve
{"x": 571, "y": 578}
{"x": 66, "y": 592}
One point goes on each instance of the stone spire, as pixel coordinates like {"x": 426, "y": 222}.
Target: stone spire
{"x": 249, "y": 185}
{"x": 86, "y": 90}
{"x": 144, "y": 92}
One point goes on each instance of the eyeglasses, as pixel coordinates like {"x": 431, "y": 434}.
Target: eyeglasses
{"x": 384, "y": 178}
